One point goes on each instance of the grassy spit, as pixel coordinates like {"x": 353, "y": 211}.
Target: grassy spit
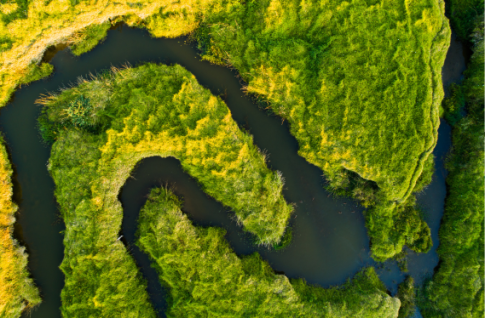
{"x": 205, "y": 278}
{"x": 359, "y": 81}
{"x": 102, "y": 128}
{"x": 17, "y": 290}
{"x": 457, "y": 288}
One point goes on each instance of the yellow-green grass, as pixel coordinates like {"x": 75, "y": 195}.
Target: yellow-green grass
{"x": 17, "y": 290}
{"x": 102, "y": 129}
{"x": 359, "y": 82}
{"x": 28, "y": 28}
{"x": 205, "y": 278}
{"x": 457, "y": 288}
{"x": 162, "y": 111}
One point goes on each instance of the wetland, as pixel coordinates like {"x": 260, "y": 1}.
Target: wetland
{"x": 330, "y": 242}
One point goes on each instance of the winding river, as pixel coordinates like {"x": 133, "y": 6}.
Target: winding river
{"x": 330, "y": 242}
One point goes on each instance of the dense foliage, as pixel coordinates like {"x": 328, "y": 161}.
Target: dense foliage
{"x": 121, "y": 118}
{"x": 464, "y": 15}
{"x": 158, "y": 110}
{"x": 205, "y": 278}
{"x": 457, "y": 288}
{"x": 358, "y": 81}
{"x": 17, "y": 290}
{"x": 407, "y": 295}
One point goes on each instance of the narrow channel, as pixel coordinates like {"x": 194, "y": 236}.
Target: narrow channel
{"x": 330, "y": 242}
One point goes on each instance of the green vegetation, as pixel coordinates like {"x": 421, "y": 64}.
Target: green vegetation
{"x": 17, "y": 290}
{"x": 464, "y": 16}
{"x": 359, "y": 81}
{"x": 86, "y": 39}
{"x": 102, "y": 129}
{"x": 36, "y": 72}
{"x": 407, "y": 295}
{"x": 457, "y": 288}
{"x": 285, "y": 240}
{"x": 158, "y": 110}
{"x": 205, "y": 278}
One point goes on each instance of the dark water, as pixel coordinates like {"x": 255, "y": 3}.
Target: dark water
{"x": 330, "y": 243}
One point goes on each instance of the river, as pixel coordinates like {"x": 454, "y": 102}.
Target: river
{"x": 330, "y": 242}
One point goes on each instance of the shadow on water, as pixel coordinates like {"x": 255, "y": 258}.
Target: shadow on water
{"x": 330, "y": 242}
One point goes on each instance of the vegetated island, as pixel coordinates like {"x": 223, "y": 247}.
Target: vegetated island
{"x": 359, "y": 82}
{"x": 102, "y": 129}
{"x": 205, "y": 278}
{"x": 17, "y": 290}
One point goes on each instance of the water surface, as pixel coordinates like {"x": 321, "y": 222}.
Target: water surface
{"x": 330, "y": 242}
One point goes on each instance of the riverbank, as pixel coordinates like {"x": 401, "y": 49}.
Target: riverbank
{"x": 457, "y": 288}
{"x": 379, "y": 156}
{"x": 102, "y": 129}
{"x": 204, "y": 277}
{"x": 18, "y": 292}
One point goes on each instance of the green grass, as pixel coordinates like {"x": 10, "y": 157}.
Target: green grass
{"x": 128, "y": 115}
{"x": 457, "y": 288}
{"x": 407, "y": 294}
{"x": 359, "y": 82}
{"x": 205, "y": 278}
{"x": 158, "y": 110}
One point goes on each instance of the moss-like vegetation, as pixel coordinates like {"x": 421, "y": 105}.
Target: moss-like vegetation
{"x": 457, "y": 288}
{"x": 205, "y": 278}
{"x": 102, "y": 128}
{"x": 285, "y": 240}
{"x": 359, "y": 82}
{"x": 17, "y": 290}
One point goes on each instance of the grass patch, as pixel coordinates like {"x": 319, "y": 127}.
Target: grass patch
{"x": 17, "y": 289}
{"x": 86, "y": 39}
{"x": 159, "y": 110}
{"x": 205, "y": 278}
